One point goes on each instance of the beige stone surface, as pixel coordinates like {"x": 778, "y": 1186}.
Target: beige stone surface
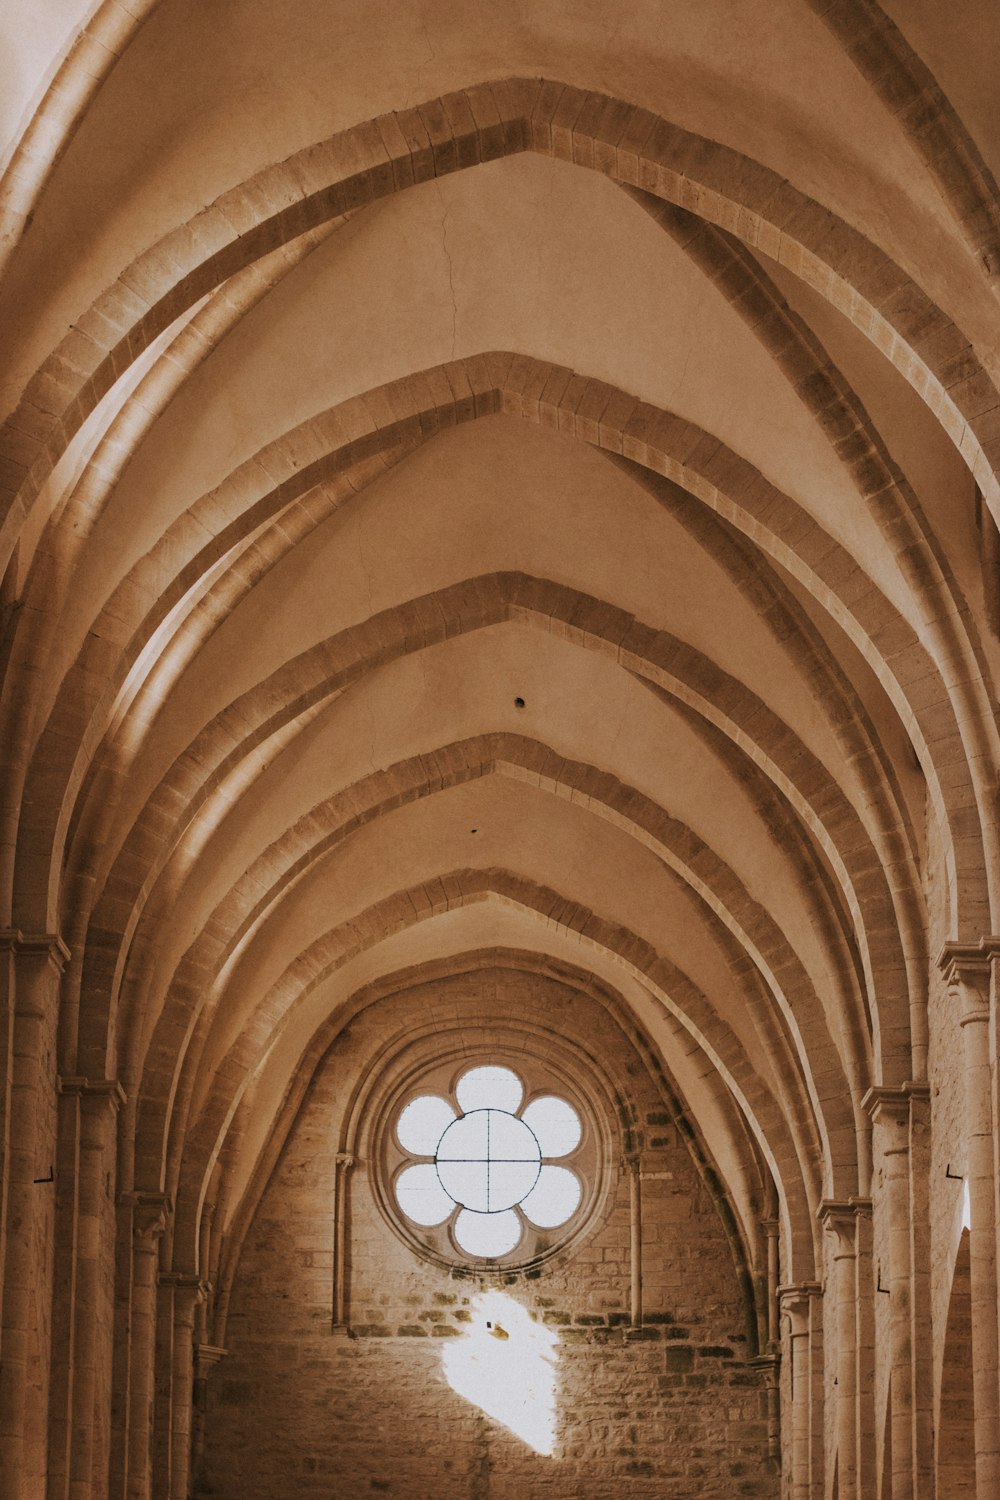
{"x": 499, "y": 549}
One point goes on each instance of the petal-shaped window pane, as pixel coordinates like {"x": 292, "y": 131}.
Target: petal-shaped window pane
{"x": 555, "y": 1123}
{"x": 489, "y": 1088}
{"x": 421, "y": 1196}
{"x": 467, "y": 1182}
{"x": 422, "y": 1123}
{"x": 487, "y": 1235}
{"x": 554, "y": 1198}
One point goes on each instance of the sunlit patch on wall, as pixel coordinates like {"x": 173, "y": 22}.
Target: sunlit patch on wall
{"x": 505, "y": 1363}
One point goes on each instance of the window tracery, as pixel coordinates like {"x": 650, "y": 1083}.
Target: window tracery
{"x": 487, "y": 1164}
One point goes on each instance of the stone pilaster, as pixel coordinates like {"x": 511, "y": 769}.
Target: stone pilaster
{"x": 838, "y": 1220}
{"x": 864, "y": 1340}
{"x": 341, "y": 1257}
{"x": 144, "y": 1217}
{"x": 83, "y": 1306}
{"x": 633, "y": 1166}
{"x": 31, "y": 973}
{"x": 770, "y": 1360}
{"x": 179, "y": 1295}
{"x": 206, "y": 1357}
{"x": 900, "y": 1129}
{"x": 970, "y": 974}
{"x": 796, "y": 1304}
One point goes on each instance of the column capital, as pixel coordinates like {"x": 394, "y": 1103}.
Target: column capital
{"x": 150, "y": 1214}
{"x": 107, "y": 1090}
{"x": 890, "y": 1104}
{"x": 968, "y": 968}
{"x": 185, "y": 1281}
{"x": 862, "y": 1207}
{"x": 345, "y": 1160}
{"x": 796, "y": 1296}
{"x": 206, "y": 1356}
{"x": 771, "y": 1228}
{"x": 41, "y": 944}
{"x": 839, "y": 1218}
{"x": 959, "y": 956}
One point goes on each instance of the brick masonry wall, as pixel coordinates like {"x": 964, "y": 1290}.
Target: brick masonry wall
{"x": 295, "y": 1409}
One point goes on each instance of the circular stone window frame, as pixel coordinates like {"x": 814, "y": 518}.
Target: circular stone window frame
{"x": 550, "y": 1068}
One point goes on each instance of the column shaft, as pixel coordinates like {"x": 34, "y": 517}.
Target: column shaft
{"x": 981, "y": 1178}
{"x": 838, "y": 1219}
{"x": 187, "y": 1292}
{"x": 972, "y": 991}
{"x": 149, "y": 1224}
{"x": 635, "y": 1242}
{"x": 795, "y": 1305}
{"x": 341, "y": 1218}
{"x": 93, "y": 1322}
{"x": 864, "y": 1341}
{"x": 27, "y": 1288}
{"x": 899, "y": 1117}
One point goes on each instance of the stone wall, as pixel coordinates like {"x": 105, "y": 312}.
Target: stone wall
{"x": 672, "y": 1410}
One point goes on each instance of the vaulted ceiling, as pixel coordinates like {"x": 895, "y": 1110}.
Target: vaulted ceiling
{"x": 500, "y": 478}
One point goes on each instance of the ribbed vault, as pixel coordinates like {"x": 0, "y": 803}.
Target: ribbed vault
{"x": 521, "y": 493}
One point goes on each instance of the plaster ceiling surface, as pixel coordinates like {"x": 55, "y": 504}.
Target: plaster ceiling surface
{"x": 506, "y": 556}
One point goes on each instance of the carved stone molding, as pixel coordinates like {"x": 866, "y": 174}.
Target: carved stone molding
{"x": 891, "y": 1104}
{"x": 105, "y": 1090}
{"x": 968, "y": 971}
{"x": 12, "y": 939}
{"x": 206, "y": 1357}
{"x": 838, "y": 1217}
{"x": 150, "y": 1215}
{"x": 794, "y": 1298}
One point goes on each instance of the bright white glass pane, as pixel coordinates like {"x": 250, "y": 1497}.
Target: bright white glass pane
{"x": 488, "y": 1235}
{"x": 466, "y": 1139}
{"x": 421, "y": 1196}
{"x": 489, "y": 1088}
{"x": 466, "y": 1181}
{"x": 554, "y": 1198}
{"x": 509, "y": 1181}
{"x": 509, "y": 1140}
{"x": 555, "y": 1123}
{"x": 422, "y": 1123}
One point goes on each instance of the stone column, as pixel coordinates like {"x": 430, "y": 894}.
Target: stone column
{"x": 969, "y": 977}
{"x": 772, "y": 1230}
{"x": 179, "y": 1295}
{"x": 770, "y": 1360}
{"x": 206, "y": 1357}
{"x": 920, "y": 1264}
{"x": 83, "y": 1310}
{"x": 864, "y": 1342}
{"x": 8, "y": 977}
{"x": 634, "y": 1166}
{"x": 148, "y": 1213}
{"x": 35, "y": 962}
{"x": 894, "y": 1112}
{"x": 838, "y": 1220}
{"x": 344, "y": 1163}
{"x": 796, "y": 1304}
{"x": 817, "y": 1396}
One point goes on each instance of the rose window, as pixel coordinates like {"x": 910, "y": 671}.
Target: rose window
{"x": 489, "y": 1166}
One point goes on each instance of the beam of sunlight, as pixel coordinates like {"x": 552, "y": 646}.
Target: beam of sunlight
{"x": 505, "y": 1364}
{"x": 966, "y": 1206}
